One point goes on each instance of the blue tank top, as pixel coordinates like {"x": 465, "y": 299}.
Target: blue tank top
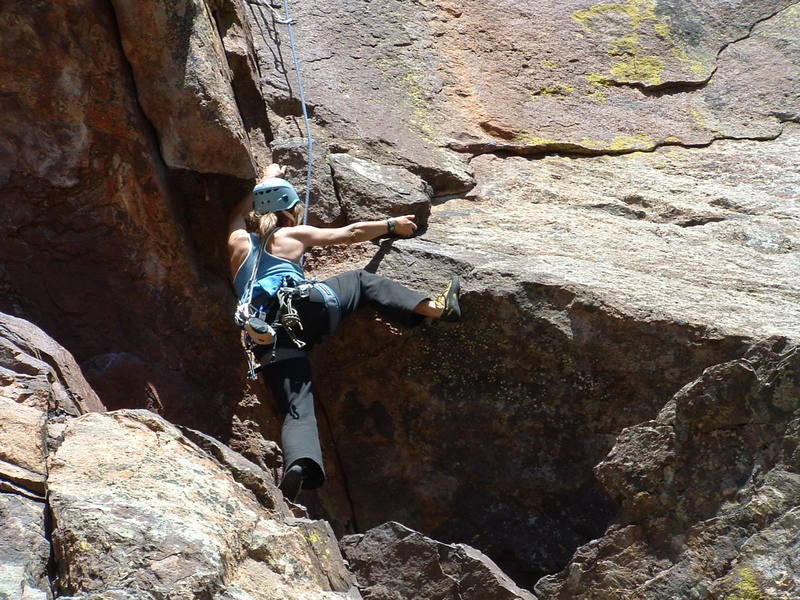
{"x": 271, "y": 270}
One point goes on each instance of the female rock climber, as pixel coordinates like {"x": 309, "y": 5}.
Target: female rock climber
{"x": 266, "y": 242}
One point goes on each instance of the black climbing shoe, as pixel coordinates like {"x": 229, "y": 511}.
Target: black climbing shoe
{"x": 292, "y": 482}
{"x": 448, "y": 300}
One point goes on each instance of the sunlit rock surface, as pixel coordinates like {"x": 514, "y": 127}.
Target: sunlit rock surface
{"x": 616, "y": 184}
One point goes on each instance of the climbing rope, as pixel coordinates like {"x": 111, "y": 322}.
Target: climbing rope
{"x": 289, "y": 21}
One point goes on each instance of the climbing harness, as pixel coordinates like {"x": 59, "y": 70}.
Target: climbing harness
{"x": 289, "y": 21}
{"x": 258, "y": 329}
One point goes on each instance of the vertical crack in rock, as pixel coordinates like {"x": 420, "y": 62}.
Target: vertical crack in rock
{"x": 342, "y": 470}
{"x": 250, "y": 104}
{"x": 338, "y": 194}
{"x": 148, "y": 129}
{"x": 52, "y": 563}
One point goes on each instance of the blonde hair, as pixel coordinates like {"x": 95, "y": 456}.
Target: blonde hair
{"x": 263, "y": 224}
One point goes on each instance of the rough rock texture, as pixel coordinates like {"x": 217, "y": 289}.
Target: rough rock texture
{"x": 597, "y": 285}
{"x": 38, "y": 372}
{"x": 40, "y": 385}
{"x": 154, "y": 516}
{"x": 133, "y": 507}
{"x": 24, "y": 549}
{"x": 581, "y": 76}
{"x": 185, "y": 86}
{"x": 642, "y": 271}
{"x": 370, "y": 191}
{"x": 731, "y": 439}
{"x": 394, "y": 562}
{"x": 99, "y": 234}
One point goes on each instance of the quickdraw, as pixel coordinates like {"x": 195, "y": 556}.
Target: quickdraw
{"x": 286, "y": 318}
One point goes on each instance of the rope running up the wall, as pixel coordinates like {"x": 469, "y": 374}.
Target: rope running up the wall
{"x": 289, "y": 21}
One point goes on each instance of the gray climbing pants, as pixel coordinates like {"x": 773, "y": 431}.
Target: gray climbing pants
{"x": 290, "y": 379}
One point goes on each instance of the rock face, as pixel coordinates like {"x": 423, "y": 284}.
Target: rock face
{"x": 731, "y": 437}
{"x": 153, "y": 516}
{"x": 88, "y": 210}
{"x": 132, "y": 506}
{"x": 24, "y": 549}
{"x": 40, "y": 385}
{"x": 625, "y": 294}
{"x": 615, "y": 182}
{"x": 392, "y": 561}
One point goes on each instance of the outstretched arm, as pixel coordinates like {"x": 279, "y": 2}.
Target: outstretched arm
{"x": 353, "y": 233}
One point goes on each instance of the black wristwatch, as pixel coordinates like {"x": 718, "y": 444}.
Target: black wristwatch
{"x": 390, "y": 224}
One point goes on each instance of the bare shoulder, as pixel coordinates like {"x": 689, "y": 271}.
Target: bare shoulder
{"x": 316, "y": 236}
{"x": 296, "y": 232}
{"x": 238, "y": 238}
{"x": 238, "y": 248}
{"x": 287, "y": 243}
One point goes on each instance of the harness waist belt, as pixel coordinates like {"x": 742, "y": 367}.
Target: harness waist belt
{"x": 331, "y": 304}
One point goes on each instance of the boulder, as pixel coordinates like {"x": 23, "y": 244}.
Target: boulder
{"x": 324, "y": 206}
{"x": 40, "y": 383}
{"x": 39, "y": 372}
{"x": 22, "y": 446}
{"x": 24, "y": 548}
{"x": 369, "y": 191}
{"x": 393, "y": 562}
{"x": 708, "y": 491}
{"x": 153, "y": 516}
{"x": 183, "y": 83}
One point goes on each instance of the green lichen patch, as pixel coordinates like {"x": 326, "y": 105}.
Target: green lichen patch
{"x": 663, "y": 31}
{"x": 421, "y": 117}
{"x": 628, "y": 45}
{"x": 523, "y": 137}
{"x": 748, "y": 587}
{"x": 621, "y": 144}
{"x": 631, "y": 61}
{"x": 599, "y": 84}
{"x": 639, "y": 68}
{"x": 407, "y": 76}
{"x": 559, "y": 89}
{"x": 636, "y": 10}
{"x": 793, "y": 16}
{"x": 548, "y": 64}
{"x": 639, "y": 141}
{"x": 703, "y": 120}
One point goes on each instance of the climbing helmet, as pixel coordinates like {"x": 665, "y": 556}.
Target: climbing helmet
{"x": 274, "y": 194}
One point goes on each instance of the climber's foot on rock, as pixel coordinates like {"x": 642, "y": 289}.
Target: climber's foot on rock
{"x": 292, "y": 482}
{"x": 447, "y": 301}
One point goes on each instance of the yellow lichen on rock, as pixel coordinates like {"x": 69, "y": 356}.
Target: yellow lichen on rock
{"x": 640, "y": 141}
{"x": 748, "y": 587}
{"x": 523, "y": 137}
{"x": 558, "y": 89}
{"x": 630, "y": 64}
{"x": 636, "y": 10}
{"x": 639, "y": 68}
{"x": 599, "y": 84}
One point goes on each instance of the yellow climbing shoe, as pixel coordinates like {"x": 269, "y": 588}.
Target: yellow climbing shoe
{"x": 448, "y": 300}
